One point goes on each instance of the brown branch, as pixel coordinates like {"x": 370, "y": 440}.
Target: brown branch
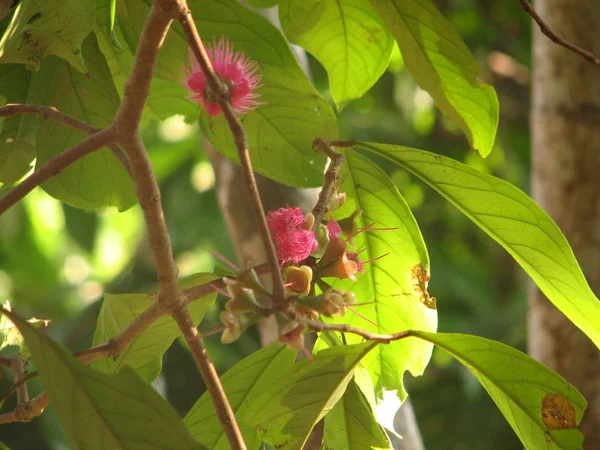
{"x": 27, "y": 411}
{"x": 318, "y": 326}
{"x": 56, "y": 165}
{"x": 22, "y": 391}
{"x": 211, "y": 378}
{"x": 126, "y": 122}
{"x": 331, "y": 176}
{"x": 50, "y": 112}
{"x": 241, "y": 142}
{"x": 544, "y": 28}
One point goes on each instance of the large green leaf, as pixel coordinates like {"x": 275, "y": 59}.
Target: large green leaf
{"x": 17, "y": 135}
{"x": 346, "y": 36}
{"x": 442, "y": 64}
{"x": 48, "y": 27}
{"x": 390, "y": 282}
{"x": 541, "y": 407}
{"x": 99, "y": 411}
{"x": 516, "y": 222}
{"x": 280, "y": 132}
{"x": 167, "y": 93}
{"x": 98, "y": 180}
{"x": 144, "y": 354}
{"x": 285, "y": 414}
{"x": 262, "y": 3}
{"x": 350, "y": 425}
{"x": 244, "y": 384}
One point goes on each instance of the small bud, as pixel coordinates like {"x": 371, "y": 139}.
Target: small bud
{"x": 297, "y": 279}
{"x": 249, "y": 279}
{"x": 241, "y": 299}
{"x": 335, "y": 262}
{"x": 349, "y": 226}
{"x": 309, "y": 221}
{"x": 291, "y": 333}
{"x": 236, "y": 324}
{"x": 332, "y": 303}
{"x": 336, "y": 200}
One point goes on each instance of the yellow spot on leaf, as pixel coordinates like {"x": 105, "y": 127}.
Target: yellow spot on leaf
{"x": 420, "y": 280}
{"x": 557, "y": 412}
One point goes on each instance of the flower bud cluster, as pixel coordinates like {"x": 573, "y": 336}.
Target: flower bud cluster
{"x": 306, "y": 258}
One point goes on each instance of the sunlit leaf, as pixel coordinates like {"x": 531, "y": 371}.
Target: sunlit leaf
{"x": 98, "y": 180}
{"x": 262, "y": 3}
{"x": 167, "y": 94}
{"x": 351, "y": 425}
{"x": 442, "y": 65}
{"x": 10, "y": 335}
{"x": 285, "y": 414}
{"x": 244, "y": 384}
{"x": 42, "y": 27}
{"x": 400, "y": 302}
{"x": 516, "y": 222}
{"x": 346, "y": 36}
{"x": 98, "y": 411}
{"x": 541, "y": 407}
{"x": 144, "y": 354}
{"x": 17, "y": 134}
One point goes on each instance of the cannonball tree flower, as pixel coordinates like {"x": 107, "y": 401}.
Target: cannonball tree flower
{"x": 235, "y": 70}
{"x": 291, "y": 232}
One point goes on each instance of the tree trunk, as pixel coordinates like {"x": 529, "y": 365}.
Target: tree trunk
{"x": 565, "y": 125}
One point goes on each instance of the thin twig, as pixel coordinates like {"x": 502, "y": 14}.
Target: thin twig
{"x": 50, "y": 112}
{"x": 544, "y": 28}
{"x": 56, "y": 165}
{"x": 331, "y": 176}
{"x": 27, "y": 411}
{"x": 22, "y": 391}
{"x": 241, "y": 143}
{"x": 319, "y": 326}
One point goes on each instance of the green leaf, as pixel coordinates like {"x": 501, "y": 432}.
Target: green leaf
{"x": 346, "y": 36}
{"x": 516, "y": 222}
{"x": 541, "y": 407}
{"x": 442, "y": 65}
{"x": 350, "y": 425}
{"x": 244, "y": 384}
{"x": 262, "y": 3}
{"x": 99, "y": 411}
{"x": 285, "y": 414}
{"x": 17, "y": 134}
{"x": 98, "y": 180}
{"x": 167, "y": 94}
{"x": 41, "y": 27}
{"x": 144, "y": 354}
{"x": 390, "y": 282}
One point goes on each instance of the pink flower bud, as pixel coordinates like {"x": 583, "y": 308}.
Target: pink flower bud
{"x": 235, "y": 70}
{"x": 293, "y": 241}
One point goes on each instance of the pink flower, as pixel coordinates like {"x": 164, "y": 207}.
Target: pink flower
{"x": 293, "y": 240}
{"x": 234, "y": 69}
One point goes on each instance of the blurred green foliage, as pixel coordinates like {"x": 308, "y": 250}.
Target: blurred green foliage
{"x": 73, "y": 257}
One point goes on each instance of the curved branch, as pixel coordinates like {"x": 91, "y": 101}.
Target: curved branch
{"x": 50, "y": 112}
{"x": 544, "y": 28}
{"x": 56, "y": 165}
